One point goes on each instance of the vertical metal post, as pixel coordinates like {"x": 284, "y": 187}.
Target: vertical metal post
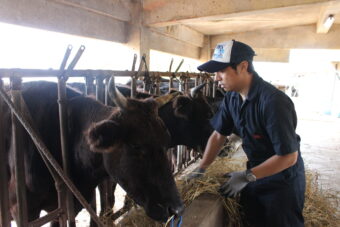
{"x": 179, "y": 157}
{"x": 62, "y": 103}
{"x": 171, "y": 81}
{"x": 134, "y": 77}
{"x": 196, "y": 81}
{"x": 99, "y": 89}
{"x": 22, "y": 219}
{"x": 4, "y": 195}
{"x": 186, "y": 83}
{"x": 180, "y": 85}
{"x": 106, "y": 95}
{"x": 214, "y": 87}
{"x": 89, "y": 86}
{"x": 157, "y": 85}
{"x": 61, "y": 191}
{"x": 133, "y": 87}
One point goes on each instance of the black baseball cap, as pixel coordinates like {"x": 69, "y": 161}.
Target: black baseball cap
{"x": 227, "y": 53}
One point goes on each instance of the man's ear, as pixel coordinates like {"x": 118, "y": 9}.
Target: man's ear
{"x": 103, "y": 135}
{"x": 183, "y": 107}
{"x": 243, "y": 66}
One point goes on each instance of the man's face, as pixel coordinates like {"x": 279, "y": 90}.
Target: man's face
{"x": 233, "y": 80}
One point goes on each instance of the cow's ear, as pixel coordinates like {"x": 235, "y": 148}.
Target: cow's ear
{"x": 183, "y": 107}
{"x": 102, "y": 135}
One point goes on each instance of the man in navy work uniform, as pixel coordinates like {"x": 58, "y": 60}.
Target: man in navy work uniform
{"x": 273, "y": 186}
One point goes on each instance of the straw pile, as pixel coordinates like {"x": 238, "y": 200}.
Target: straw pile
{"x": 320, "y": 205}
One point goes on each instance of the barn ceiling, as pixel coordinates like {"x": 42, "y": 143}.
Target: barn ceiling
{"x": 241, "y": 18}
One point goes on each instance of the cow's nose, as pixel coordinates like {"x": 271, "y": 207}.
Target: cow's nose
{"x": 176, "y": 210}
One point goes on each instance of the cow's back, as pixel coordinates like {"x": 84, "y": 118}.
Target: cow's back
{"x": 41, "y": 100}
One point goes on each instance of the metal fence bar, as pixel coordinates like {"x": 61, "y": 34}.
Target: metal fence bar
{"x": 47, "y": 218}
{"x": 89, "y": 86}
{"x": 99, "y": 89}
{"x": 62, "y": 104}
{"x": 134, "y": 78}
{"x": 4, "y": 195}
{"x": 22, "y": 218}
{"x": 86, "y": 72}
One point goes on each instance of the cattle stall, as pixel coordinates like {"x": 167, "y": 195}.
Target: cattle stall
{"x": 96, "y": 84}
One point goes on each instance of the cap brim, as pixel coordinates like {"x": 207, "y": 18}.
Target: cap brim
{"x": 212, "y": 66}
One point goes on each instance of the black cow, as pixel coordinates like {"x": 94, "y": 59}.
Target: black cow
{"x": 104, "y": 142}
{"x": 185, "y": 116}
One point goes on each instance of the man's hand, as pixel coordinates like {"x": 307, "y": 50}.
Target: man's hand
{"x": 196, "y": 173}
{"x": 235, "y": 184}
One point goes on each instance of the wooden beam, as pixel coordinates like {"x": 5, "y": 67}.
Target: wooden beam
{"x": 182, "y": 33}
{"x": 326, "y": 10}
{"x": 160, "y": 13}
{"x": 53, "y": 16}
{"x": 206, "y": 50}
{"x": 111, "y": 8}
{"x": 298, "y": 37}
{"x": 169, "y": 45}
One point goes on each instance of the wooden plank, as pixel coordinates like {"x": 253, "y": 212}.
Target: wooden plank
{"x": 111, "y": 8}
{"x": 326, "y": 10}
{"x": 164, "y": 13}
{"x": 182, "y": 33}
{"x": 303, "y": 37}
{"x": 53, "y": 16}
{"x": 173, "y": 46}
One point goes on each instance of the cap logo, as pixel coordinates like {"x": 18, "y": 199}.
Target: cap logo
{"x": 219, "y": 52}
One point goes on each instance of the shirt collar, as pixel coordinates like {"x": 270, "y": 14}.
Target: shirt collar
{"x": 254, "y": 87}
{"x": 253, "y": 90}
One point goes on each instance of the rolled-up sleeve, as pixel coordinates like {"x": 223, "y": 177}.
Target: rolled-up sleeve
{"x": 280, "y": 123}
{"x": 222, "y": 121}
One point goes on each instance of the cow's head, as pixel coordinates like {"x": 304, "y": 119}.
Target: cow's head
{"x": 133, "y": 141}
{"x": 187, "y": 119}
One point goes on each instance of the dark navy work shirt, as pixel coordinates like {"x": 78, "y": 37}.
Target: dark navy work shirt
{"x": 266, "y": 121}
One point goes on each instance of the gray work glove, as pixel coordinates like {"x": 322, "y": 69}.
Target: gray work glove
{"x": 196, "y": 173}
{"x": 234, "y": 184}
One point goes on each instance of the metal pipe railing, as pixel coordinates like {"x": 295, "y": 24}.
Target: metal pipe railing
{"x": 86, "y": 72}
{"x": 4, "y": 195}
{"x": 17, "y": 147}
{"x": 62, "y": 108}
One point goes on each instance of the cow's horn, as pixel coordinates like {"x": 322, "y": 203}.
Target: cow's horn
{"x": 115, "y": 94}
{"x": 162, "y": 100}
{"x": 195, "y": 90}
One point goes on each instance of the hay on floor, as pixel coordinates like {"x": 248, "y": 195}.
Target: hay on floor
{"x": 321, "y": 206}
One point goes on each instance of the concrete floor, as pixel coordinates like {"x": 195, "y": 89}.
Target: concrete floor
{"x": 320, "y": 148}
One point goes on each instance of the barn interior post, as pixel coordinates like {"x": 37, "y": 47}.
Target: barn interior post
{"x": 4, "y": 201}
{"x": 22, "y": 218}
